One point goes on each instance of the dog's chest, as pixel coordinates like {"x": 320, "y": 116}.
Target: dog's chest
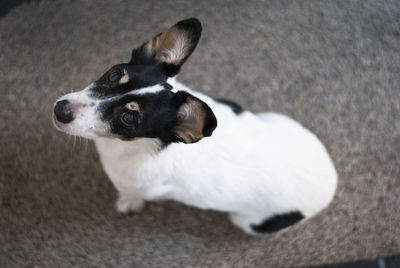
{"x": 140, "y": 167}
{"x": 123, "y": 161}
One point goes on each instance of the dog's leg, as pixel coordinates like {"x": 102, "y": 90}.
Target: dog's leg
{"x": 129, "y": 203}
{"x": 129, "y": 199}
{"x": 244, "y": 222}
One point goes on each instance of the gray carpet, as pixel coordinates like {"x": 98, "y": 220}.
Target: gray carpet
{"x": 334, "y": 66}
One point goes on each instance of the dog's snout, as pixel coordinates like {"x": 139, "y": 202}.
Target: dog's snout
{"x": 63, "y": 112}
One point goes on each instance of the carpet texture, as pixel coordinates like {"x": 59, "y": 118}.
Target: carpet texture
{"x": 332, "y": 65}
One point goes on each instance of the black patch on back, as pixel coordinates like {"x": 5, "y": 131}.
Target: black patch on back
{"x": 278, "y": 222}
{"x": 236, "y": 108}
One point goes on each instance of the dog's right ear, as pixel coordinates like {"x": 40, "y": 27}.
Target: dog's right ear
{"x": 170, "y": 49}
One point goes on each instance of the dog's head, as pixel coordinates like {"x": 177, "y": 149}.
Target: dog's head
{"x": 134, "y": 99}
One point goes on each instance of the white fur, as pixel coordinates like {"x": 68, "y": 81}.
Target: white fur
{"x": 86, "y": 121}
{"x": 147, "y": 90}
{"x": 254, "y": 166}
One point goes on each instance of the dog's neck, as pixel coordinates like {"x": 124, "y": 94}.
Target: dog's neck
{"x": 135, "y": 150}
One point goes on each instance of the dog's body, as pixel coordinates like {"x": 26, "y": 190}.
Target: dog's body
{"x": 265, "y": 170}
{"x": 254, "y": 167}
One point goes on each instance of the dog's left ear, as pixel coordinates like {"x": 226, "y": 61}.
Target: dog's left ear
{"x": 170, "y": 49}
{"x": 194, "y": 118}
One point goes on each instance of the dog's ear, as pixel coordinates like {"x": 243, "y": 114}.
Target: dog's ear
{"x": 194, "y": 118}
{"x": 170, "y": 49}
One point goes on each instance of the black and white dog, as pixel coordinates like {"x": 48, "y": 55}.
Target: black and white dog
{"x": 157, "y": 139}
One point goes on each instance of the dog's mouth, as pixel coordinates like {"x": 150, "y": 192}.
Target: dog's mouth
{"x": 82, "y": 127}
{"x": 60, "y": 126}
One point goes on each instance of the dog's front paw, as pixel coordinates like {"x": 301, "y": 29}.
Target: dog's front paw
{"x": 125, "y": 205}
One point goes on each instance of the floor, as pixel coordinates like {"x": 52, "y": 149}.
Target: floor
{"x": 332, "y": 65}
{"x": 391, "y": 262}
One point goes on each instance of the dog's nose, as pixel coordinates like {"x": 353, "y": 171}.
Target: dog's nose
{"x": 63, "y": 111}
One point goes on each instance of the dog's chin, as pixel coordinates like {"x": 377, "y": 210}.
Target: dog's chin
{"x": 66, "y": 128}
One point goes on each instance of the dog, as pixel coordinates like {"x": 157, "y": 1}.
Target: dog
{"x": 159, "y": 140}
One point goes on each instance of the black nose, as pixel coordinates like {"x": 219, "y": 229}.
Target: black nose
{"x": 63, "y": 111}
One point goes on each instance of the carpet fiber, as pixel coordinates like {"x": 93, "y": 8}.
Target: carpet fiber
{"x": 332, "y": 65}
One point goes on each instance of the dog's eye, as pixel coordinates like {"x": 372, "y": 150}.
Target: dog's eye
{"x": 114, "y": 76}
{"x": 129, "y": 118}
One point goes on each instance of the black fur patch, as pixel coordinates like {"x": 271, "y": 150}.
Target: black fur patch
{"x": 156, "y": 118}
{"x": 278, "y": 222}
{"x": 140, "y": 76}
{"x": 167, "y": 86}
{"x": 145, "y": 69}
{"x": 236, "y": 108}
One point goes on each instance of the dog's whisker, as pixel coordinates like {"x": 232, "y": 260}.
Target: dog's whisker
{"x": 86, "y": 145}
